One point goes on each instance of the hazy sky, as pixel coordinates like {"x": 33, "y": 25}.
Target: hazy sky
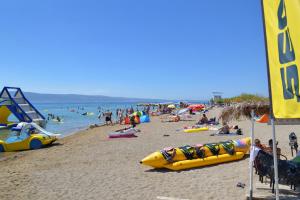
{"x": 169, "y": 49}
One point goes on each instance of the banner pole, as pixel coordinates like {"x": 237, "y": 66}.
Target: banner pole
{"x": 275, "y": 159}
{"x": 251, "y": 160}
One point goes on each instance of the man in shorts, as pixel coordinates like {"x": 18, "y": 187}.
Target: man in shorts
{"x": 107, "y": 115}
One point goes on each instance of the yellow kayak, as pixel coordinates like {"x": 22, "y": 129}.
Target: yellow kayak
{"x": 172, "y": 158}
{"x": 195, "y": 130}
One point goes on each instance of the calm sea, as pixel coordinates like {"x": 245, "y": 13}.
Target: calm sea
{"x": 71, "y": 115}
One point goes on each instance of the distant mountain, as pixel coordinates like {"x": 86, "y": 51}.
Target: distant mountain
{"x": 76, "y": 98}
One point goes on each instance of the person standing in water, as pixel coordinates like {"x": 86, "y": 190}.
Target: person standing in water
{"x": 120, "y": 116}
{"x": 107, "y": 115}
{"x": 131, "y": 110}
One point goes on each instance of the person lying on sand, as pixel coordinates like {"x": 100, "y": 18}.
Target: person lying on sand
{"x": 225, "y": 129}
{"x": 175, "y": 118}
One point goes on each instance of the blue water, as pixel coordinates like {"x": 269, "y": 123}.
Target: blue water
{"x": 73, "y": 121}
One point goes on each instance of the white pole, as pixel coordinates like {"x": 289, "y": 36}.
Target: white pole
{"x": 275, "y": 160}
{"x": 250, "y": 160}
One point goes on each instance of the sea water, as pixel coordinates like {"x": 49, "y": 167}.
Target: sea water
{"x": 71, "y": 115}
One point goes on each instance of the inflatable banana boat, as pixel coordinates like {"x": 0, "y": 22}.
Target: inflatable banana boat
{"x": 187, "y": 157}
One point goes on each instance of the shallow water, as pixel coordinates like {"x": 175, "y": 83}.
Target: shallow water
{"x": 72, "y": 121}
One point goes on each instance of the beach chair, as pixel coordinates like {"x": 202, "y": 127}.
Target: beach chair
{"x": 288, "y": 170}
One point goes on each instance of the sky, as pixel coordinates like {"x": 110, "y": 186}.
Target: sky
{"x": 170, "y": 49}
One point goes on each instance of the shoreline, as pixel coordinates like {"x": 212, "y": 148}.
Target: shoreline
{"x": 88, "y": 165}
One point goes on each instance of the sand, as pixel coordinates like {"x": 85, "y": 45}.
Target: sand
{"x": 87, "y": 165}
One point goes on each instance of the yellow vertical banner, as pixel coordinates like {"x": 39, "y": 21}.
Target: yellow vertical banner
{"x": 282, "y": 35}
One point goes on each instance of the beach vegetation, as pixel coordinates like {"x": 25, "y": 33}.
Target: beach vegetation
{"x": 245, "y": 97}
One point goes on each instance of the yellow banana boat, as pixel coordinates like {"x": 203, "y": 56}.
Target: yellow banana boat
{"x": 197, "y": 156}
{"x": 212, "y": 160}
{"x": 195, "y": 130}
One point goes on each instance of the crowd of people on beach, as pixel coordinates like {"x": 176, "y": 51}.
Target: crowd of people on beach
{"x": 109, "y": 116}
{"x": 120, "y": 114}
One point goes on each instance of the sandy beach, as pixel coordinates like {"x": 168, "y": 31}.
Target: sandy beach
{"x": 88, "y": 165}
{"x": 74, "y": 71}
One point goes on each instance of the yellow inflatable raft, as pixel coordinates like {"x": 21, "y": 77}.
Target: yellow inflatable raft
{"x": 195, "y": 130}
{"x": 199, "y": 155}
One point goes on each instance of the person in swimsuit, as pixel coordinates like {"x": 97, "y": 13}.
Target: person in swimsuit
{"x": 225, "y": 129}
{"x": 120, "y": 116}
{"x": 107, "y": 116}
{"x": 203, "y": 120}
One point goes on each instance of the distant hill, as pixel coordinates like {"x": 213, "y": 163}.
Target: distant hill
{"x": 76, "y": 98}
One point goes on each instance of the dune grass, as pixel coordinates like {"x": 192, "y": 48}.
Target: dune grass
{"x": 246, "y": 98}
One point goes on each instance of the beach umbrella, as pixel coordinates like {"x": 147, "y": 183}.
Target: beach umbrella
{"x": 172, "y": 106}
{"x": 182, "y": 111}
{"x": 196, "y": 107}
